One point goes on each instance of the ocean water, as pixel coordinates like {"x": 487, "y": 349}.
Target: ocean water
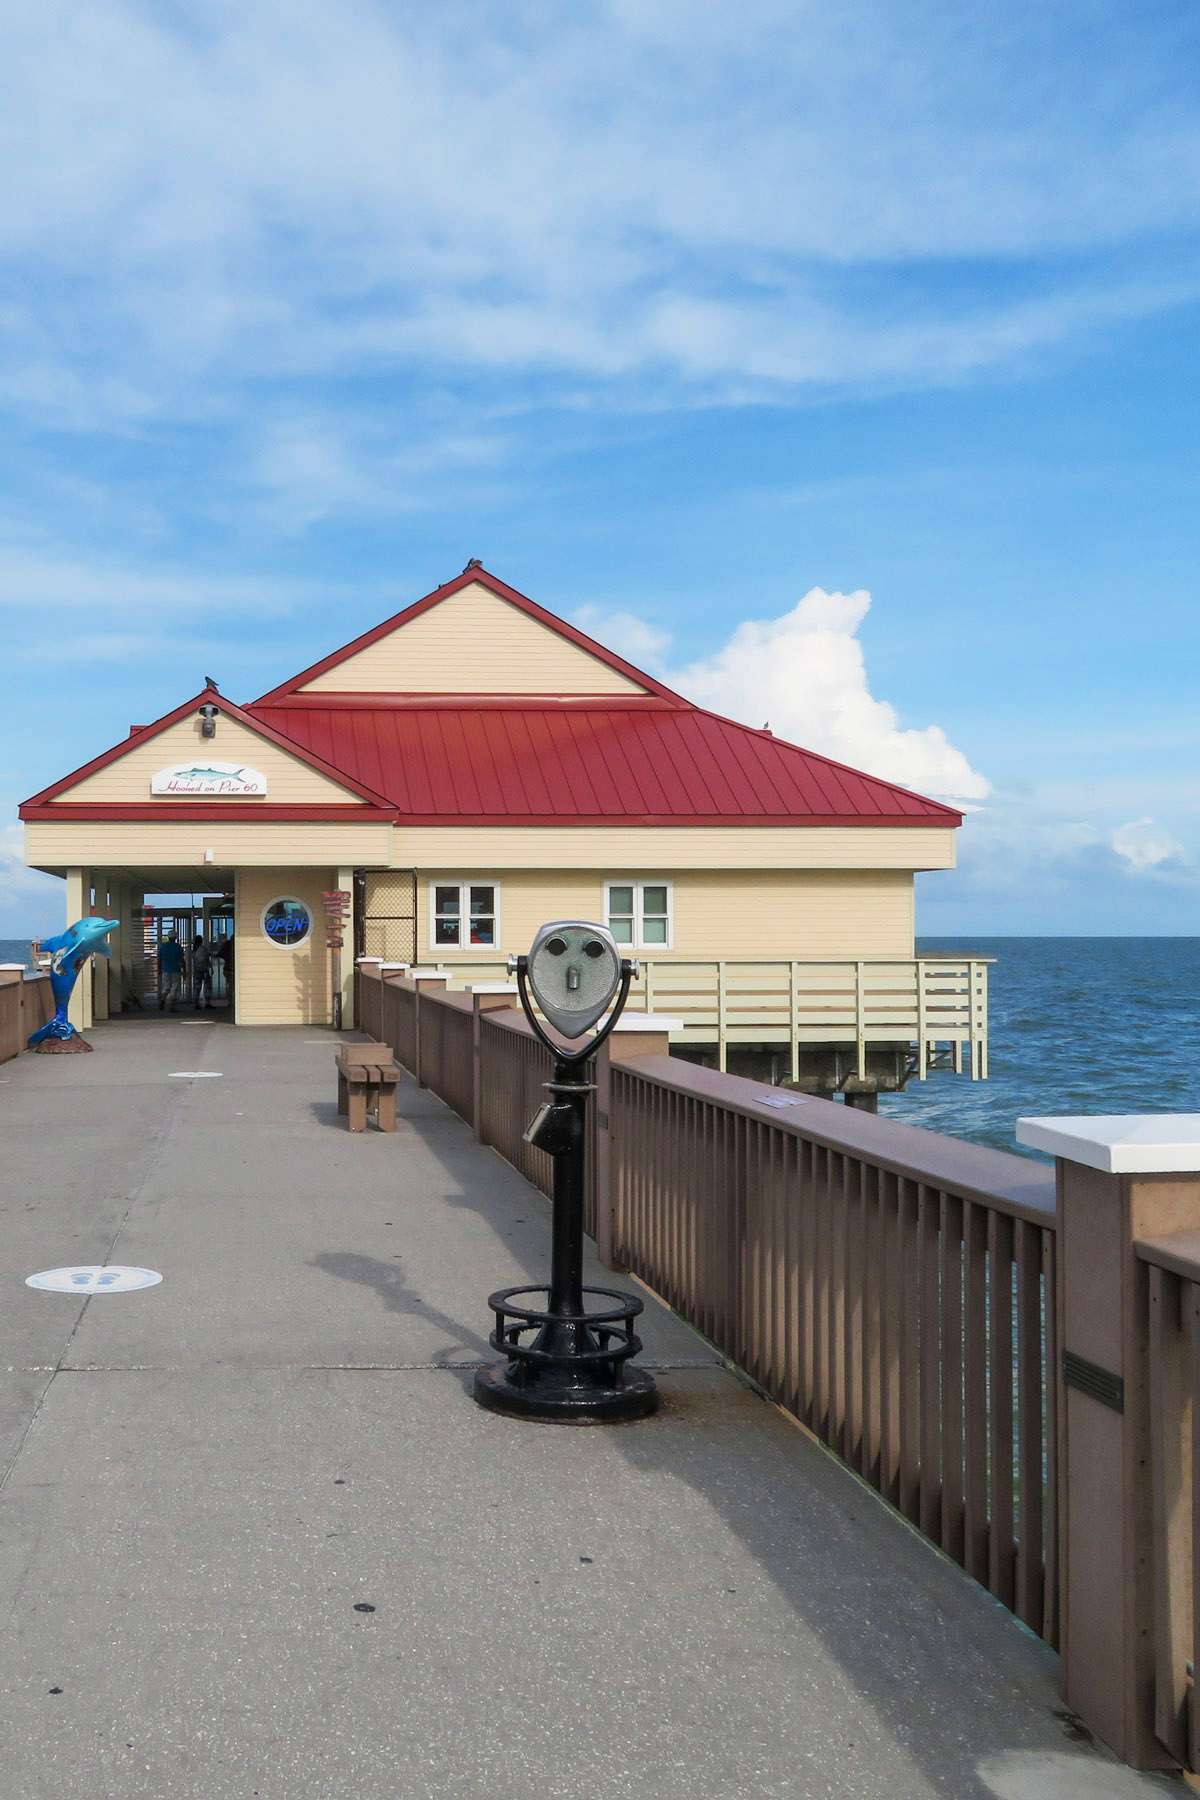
{"x": 1077, "y": 1025}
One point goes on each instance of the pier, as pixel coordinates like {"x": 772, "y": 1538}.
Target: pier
{"x": 258, "y": 1540}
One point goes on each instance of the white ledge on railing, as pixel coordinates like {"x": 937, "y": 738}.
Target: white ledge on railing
{"x": 388, "y": 965}
{"x": 368, "y": 959}
{"x": 429, "y": 974}
{"x": 633, "y": 1021}
{"x": 1120, "y": 1143}
{"x": 493, "y": 987}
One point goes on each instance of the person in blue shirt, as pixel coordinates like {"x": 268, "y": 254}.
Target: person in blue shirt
{"x": 170, "y": 972}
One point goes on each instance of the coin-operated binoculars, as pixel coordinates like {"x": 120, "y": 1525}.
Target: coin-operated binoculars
{"x": 561, "y": 1361}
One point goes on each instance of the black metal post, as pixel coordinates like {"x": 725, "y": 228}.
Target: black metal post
{"x": 562, "y": 1362}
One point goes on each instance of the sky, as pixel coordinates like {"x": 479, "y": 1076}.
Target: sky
{"x": 838, "y": 363}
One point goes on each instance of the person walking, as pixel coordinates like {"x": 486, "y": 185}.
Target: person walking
{"x": 170, "y": 972}
{"x": 225, "y": 952}
{"x": 201, "y": 973}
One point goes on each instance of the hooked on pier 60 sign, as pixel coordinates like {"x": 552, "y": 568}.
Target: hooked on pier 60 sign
{"x": 208, "y": 778}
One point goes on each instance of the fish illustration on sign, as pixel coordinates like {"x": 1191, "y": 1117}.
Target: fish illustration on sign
{"x": 68, "y": 953}
{"x": 198, "y": 772}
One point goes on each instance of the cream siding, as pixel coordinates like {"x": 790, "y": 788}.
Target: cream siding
{"x": 473, "y": 643}
{"x": 810, "y": 914}
{"x": 277, "y": 986}
{"x": 172, "y": 845}
{"x": 290, "y": 781}
{"x": 631, "y": 849}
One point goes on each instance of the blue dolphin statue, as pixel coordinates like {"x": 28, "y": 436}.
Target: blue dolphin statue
{"x": 68, "y": 953}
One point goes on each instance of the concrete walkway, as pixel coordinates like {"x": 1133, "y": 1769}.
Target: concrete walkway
{"x": 204, "y": 1482}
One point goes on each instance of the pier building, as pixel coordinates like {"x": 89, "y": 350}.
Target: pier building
{"x": 474, "y": 765}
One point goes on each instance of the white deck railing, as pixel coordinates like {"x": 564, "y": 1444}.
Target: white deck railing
{"x": 932, "y": 1003}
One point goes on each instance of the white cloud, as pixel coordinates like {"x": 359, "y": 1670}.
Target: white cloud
{"x": 308, "y": 468}
{"x": 805, "y": 675}
{"x": 33, "y": 578}
{"x": 651, "y": 189}
{"x": 1145, "y": 845}
{"x": 641, "y": 643}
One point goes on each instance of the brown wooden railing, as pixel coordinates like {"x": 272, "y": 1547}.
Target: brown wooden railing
{"x": 892, "y": 1288}
{"x": 398, "y": 1021}
{"x": 446, "y": 1049}
{"x": 25, "y": 1005}
{"x": 1172, "y": 1270}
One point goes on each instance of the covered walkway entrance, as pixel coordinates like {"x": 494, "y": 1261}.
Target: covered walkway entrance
{"x": 263, "y": 929}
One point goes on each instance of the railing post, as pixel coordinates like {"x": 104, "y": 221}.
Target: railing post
{"x": 436, "y": 980}
{"x": 1119, "y": 1179}
{"x": 860, "y": 1020}
{"x": 794, "y": 1019}
{"x": 487, "y": 996}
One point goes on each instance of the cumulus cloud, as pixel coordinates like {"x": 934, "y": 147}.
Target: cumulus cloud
{"x": 1144, "y": 845}
{"x": 804, "y": 674}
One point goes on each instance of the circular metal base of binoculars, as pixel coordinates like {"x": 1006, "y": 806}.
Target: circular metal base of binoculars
{"x": 566, "y": 1368}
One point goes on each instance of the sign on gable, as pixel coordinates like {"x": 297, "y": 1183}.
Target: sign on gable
{"x": 208, "y": 778}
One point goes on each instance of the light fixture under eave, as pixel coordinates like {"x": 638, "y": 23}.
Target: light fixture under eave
{"x": 208, "y": 720}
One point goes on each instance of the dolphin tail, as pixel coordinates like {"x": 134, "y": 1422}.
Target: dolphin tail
{"x": 53, "y": 1028}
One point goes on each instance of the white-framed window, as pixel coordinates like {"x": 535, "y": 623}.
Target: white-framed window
{"x": 464, "y": 915}
{"x": 640, "y": 913}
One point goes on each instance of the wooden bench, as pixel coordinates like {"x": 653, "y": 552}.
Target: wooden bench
{"x": 367, "y": 1078}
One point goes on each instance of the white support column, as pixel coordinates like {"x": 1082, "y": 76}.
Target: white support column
{"x": 345, "y": 881}
{"x": 238, "y": 958}
{"x": 79, "y": 905}
{"x": 99, "y": 970}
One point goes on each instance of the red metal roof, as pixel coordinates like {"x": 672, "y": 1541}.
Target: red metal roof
{"x": 513, "y": 761}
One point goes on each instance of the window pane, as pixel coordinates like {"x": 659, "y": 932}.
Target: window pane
{"x": 654, "y": 900}
{"x": 445, "y": 931}
{"x": 483, "y": 928}
{"x": 483, "y": 899}
{"x": 654, "y": 931}
{"x": 622, "y": 930}
{"x": 446, "y": 900}
{"x": 620, "y": 901}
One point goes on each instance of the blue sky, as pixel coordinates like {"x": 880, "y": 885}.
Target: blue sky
{"x": 698, "y": 324}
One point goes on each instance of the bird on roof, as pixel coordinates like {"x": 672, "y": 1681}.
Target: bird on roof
{"x": 210, "y": 683}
